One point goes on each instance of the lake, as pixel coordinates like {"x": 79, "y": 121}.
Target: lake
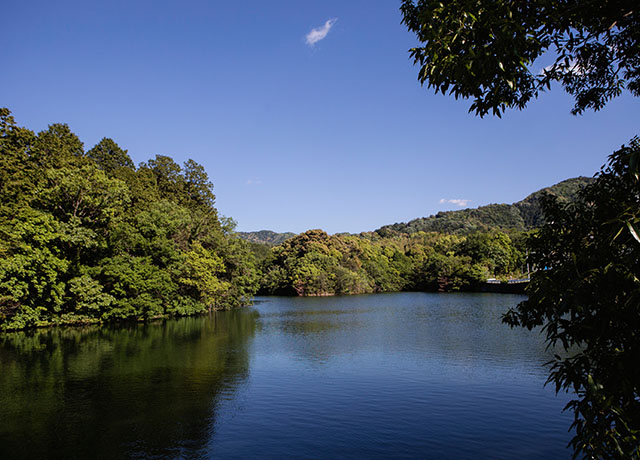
{"x": 385, "y": 376}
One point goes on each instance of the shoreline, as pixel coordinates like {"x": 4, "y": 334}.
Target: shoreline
{"x": 490, "y": 288}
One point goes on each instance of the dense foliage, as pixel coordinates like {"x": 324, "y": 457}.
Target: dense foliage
{"x": 87, "y": 237}
{"x": 588, "y": 299}
{"x": 521, "y": 216}
{"x": 266, "y": 237}
{"x": 453, "y": 250}
{"x": 314, "y": 263}
{"x": 487, "y": 49}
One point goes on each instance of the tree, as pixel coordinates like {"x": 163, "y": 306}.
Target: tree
{"x": 109, "y": 156}
{"x": 55, "y": 147}
{"x": 84, "y": 193}
{"x": 168, "y": 175}
{"x": 487, "y": 49}
{"x": 586, "y": 293}
{"x": 588, "y": 300}
{"x": 198, "y": 187}
{"x": 202, "y": 268}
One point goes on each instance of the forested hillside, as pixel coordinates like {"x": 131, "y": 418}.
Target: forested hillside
{"x": 314, "y": 263}
{"x": 521, "y": 216}
{"x": 85, "y": 236}
{"x": 455, "y": 250}
{"x": 266, "y": 237}
{"x": 530, "y": 208}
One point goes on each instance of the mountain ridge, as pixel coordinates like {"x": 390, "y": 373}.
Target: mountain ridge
{"x": 267, "y": 237}
{"x": 522, "y": 215}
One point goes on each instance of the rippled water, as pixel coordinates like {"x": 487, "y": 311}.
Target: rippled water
{"x": 408, "y": 375}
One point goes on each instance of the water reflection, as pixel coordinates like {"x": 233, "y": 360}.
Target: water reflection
{"x": 143, "y": 391}
{"x": 459, "y": 328}
{"x": 402, "y": 376}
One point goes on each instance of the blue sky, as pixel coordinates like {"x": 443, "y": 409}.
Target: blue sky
{"x": 331, "y": 131}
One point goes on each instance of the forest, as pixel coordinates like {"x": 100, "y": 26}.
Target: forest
{"x": 86, "y": 236}
{"x": 314, "y": 263}
{"x": 451, "y": 251}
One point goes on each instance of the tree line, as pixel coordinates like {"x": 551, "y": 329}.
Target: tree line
{"x": 314, "y": 263}
{"x": 86, "y": 236}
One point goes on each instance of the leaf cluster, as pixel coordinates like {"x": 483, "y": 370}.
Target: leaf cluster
{"x": 487, "y": 49}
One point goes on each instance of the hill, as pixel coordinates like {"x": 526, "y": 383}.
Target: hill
{"x": 266, "y": 237}
{"x": 520, "y": 216}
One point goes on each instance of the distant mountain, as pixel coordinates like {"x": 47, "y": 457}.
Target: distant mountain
{"x": 523, "y": 215}
{"x": 266, "y": 237}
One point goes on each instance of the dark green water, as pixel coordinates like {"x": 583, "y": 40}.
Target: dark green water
{"x": 408, "y": 375}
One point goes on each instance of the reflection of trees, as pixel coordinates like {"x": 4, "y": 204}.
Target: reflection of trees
{"x": 456, "y": 328}
{"x": 137, "y": 391}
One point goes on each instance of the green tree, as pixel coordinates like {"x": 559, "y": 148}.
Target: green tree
{"x": 89, "y": 238}
{"x": 201, "y": 271}
{"x": 32, "y": 270}
{"x": 587, "y": 297}
{"x": 84, "y": 193}
{"x": 495, "y": 251}
{"x": 486, "y": 49}
{"x": 87, "y": 296}
{"x": 16, "y": 182}
{"x": 168, "y": 176}
{"x": 109, "y": 156}
{"x": 586, "y": 291}
{"x": 198, "y": 187}
{"x": 56, "y": 147}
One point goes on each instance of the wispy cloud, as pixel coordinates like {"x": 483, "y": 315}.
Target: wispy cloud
{"x": 253, "y": 182}
{"x": 319, "y": 33}
{"x": 457, "y": 201}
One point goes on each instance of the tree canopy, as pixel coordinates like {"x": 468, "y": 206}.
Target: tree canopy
{"x": 87, "y": 237}
{"x": 314, "y": 263}
{"x": 487, "y": 50}
{"x": 586, "y": 294}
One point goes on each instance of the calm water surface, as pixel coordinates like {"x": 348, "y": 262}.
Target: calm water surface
{"x": 405, "y": 376}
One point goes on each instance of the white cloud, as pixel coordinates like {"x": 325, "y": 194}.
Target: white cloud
{"x": 457, "y": 201}
{"x": 320, "y": 33}
{"x": 253, "y": 182}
